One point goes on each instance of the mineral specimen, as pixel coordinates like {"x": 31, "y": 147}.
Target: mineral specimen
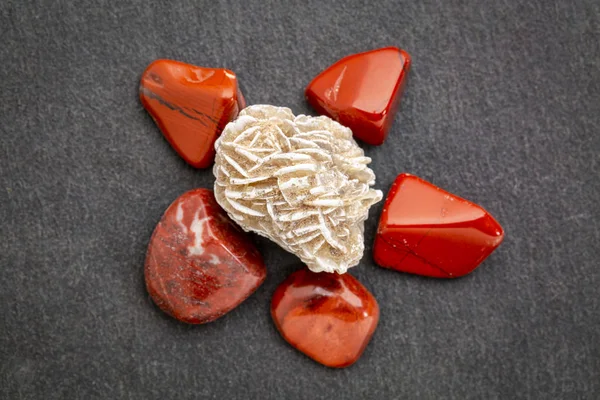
{"x": 190, "y": 105}
{"x": 300, "y": 181}
{"x": 427, "y": 231}
{"x": 199, "y": 264}
{"x": 329, "y": 317}
{"x": 362, "y": 91}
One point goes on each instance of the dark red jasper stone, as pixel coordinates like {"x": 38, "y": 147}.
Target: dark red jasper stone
{"x": 328, "y": 317}
{"x": 362, "y": 91}
{"x": 199, "y": 264}
{"x": 427, "y": 231}
{"x": 191, "y": 105}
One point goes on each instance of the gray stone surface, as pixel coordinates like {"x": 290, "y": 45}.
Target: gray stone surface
{"x": 502, "y": 107}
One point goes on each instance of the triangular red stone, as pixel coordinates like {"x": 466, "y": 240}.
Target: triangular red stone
{"x": 191, "y": 106}
{"x": 362, "y": 91}
{"x": 427, "y": 231}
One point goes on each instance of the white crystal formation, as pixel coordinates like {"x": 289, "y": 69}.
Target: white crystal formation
{"x": 300, "y": 181}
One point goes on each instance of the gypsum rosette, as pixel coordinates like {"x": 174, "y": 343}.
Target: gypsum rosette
{"x": 300, "y": 181}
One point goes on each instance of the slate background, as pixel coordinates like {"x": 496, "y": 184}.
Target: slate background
{"x": 502, "y": 107}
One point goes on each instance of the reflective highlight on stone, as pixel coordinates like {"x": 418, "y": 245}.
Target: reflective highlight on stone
{"x": 362, "y": 91}
{"x": 328, "y": 317}
{"x": 199, "y": 264}
{"x": 191, "y": 106}
{"x": 427, "y": 231}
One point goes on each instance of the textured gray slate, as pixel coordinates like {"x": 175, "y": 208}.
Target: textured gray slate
{"x": 502, "y": 107}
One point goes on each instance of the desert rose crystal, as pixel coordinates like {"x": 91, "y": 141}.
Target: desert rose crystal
{"x": 300, "y": 181}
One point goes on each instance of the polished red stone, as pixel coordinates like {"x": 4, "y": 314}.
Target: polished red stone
{"x": 191, "y": 106}
{"x": 362, "y": 91}
{"x": 328, "y": 317}
{"x": 199, "y": 264}
{"x": 427, "y": 231}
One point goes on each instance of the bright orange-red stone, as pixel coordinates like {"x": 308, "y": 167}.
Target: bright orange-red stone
{"x": 427, "y": 231}
{"x": 328, "y": 317}
{"x": 199, "y": 264}
{"x": 362, "y": 91}
{"x": 191, "y": 106}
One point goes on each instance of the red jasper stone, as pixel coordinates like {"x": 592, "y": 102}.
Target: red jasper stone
{"x": 362, "y": 91}
{"x": 199, "y": 264}
{"x": 427, "y": 231}
{"x": 328, "y": 317}
{"x": 191, "y": 106}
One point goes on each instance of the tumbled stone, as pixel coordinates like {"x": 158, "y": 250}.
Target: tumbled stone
{"x": 191, "y": 105}
{"x": 362, "y": 91}
{"x": 199, "y": 264}
{"x": 427, "y": 231}
{"x": 327, "y": 316}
